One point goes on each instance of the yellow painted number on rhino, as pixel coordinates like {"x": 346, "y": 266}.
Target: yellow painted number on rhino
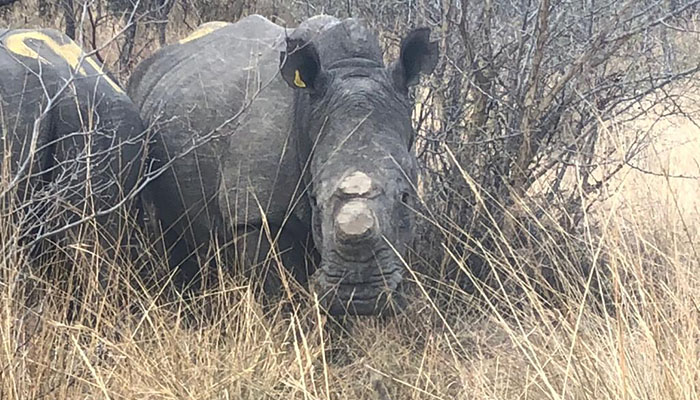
{"x": 204, "y": 30}
{"x": 70, "y": 52}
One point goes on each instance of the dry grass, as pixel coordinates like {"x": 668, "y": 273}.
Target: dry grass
{"x": 126, "y": 342}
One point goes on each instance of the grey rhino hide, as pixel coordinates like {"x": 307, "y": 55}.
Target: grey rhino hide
{"x": 87, "y": 146}
{"x": 246, "y": 151}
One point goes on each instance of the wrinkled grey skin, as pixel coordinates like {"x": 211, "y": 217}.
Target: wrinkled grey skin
{"x": 324, "y": 149}
{"x": 87, "y": 151}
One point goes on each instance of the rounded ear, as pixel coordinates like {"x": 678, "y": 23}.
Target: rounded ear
{"x": 299, "y": 64}
{"x": 418, "y": 55}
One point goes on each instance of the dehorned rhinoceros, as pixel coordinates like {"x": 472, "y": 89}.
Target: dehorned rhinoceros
{"x": 295, "y": 132}
{"x": 69, "y": 135}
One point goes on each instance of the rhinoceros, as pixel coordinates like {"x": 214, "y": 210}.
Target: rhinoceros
{"x": 282, "y": 135}
{"x": 70, "y": 135}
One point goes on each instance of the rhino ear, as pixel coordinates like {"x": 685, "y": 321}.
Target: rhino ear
{"x": 300, "y": 64}
{"x": 418, "y": 55}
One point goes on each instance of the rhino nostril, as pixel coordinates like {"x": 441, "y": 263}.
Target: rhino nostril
{"x": 355, "y": 220}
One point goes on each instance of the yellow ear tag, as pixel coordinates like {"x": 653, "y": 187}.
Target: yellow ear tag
{"x": 297, "y": 79}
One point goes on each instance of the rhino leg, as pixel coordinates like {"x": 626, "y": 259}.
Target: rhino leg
{"x": 187, "y": 233}
{"x": 265, "y": 254}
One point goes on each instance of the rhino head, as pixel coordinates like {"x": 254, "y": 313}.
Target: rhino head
{"x": 353, "y": 129}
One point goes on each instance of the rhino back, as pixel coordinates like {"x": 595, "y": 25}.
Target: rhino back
{"x": 221, "y": 90}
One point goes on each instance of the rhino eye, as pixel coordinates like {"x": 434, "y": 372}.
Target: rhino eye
{"x": 405, "y": 197}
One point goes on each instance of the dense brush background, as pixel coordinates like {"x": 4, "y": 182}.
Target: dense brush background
{"x": 557, "y": 254}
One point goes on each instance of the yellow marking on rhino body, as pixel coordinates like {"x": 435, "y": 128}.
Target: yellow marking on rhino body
{"x": 70, "y": 52}
{"x": 297, "y": 79}
{"x": 204, "y": 30}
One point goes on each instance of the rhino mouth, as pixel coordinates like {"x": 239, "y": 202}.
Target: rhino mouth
{"x": 364, "y": 289}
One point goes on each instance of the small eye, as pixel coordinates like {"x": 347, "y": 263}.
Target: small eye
{"x": 312, "y": 200}
{"x": 405, "y": 196}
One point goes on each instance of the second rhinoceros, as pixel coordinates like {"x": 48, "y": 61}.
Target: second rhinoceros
{"x": 71, "y": 140}
{"x": 298, "y": 136}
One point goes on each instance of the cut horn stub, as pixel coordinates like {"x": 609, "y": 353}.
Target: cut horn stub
{"x": 356, "y": 184}
{"x": 355, "y": 220}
